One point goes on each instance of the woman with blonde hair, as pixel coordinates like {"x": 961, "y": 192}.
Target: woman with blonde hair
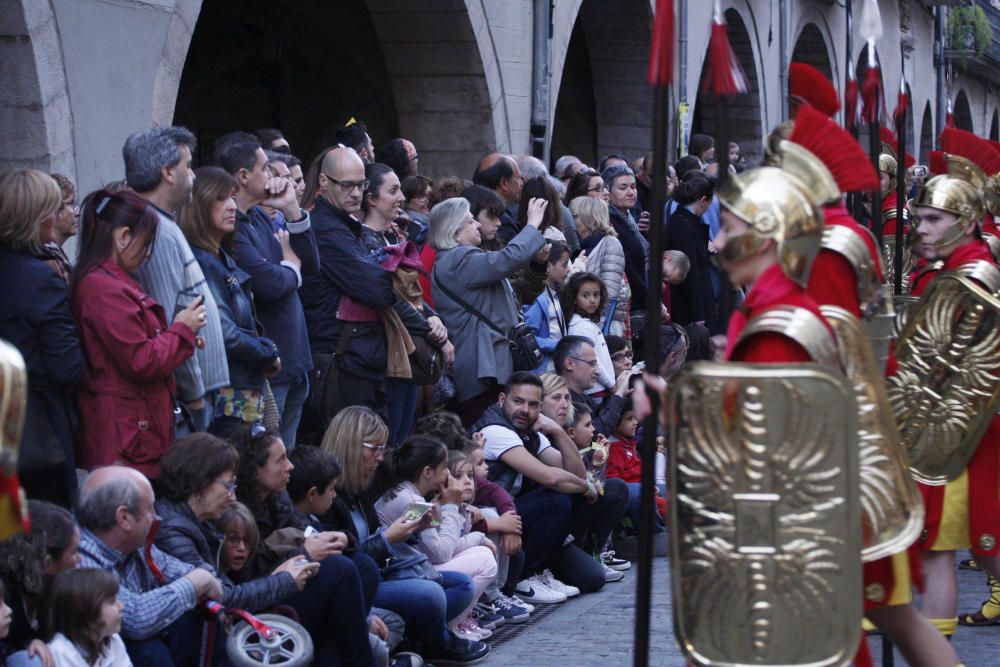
{"x": 37, "y": 320}
{"x": 557, "y": 404}
{"x": 603, "y": 255}
{"x": 357, "y": 438}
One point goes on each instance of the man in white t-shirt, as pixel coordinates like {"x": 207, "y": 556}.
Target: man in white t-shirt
{"x": 533, "y": 458}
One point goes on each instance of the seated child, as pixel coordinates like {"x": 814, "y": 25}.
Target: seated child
{"x": 493, "y": 512}
{"x": 84, "y": 618}
{"x": 311, "y": 489}
{"x": 545, "y": 315}
{"x": 420, "y": 469}
{"x": 625, "y": 464}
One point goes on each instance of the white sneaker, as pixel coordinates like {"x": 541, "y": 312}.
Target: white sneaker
{"x": 611, "y": 574}
{"x": 473, "y": 625}
{"x": 549, "y": 580}
{"x": 461, "y": 631}
{"x": 534, "y": 590}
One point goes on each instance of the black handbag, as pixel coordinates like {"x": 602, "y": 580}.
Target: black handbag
{"x": 426, "y": 361}
{"x": 524, "y": 350}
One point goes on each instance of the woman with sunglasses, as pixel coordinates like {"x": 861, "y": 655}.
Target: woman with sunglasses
{"x": 357, "y": 437}
{"x": 197, "y": 484}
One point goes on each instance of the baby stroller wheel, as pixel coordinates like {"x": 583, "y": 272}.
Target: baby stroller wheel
{"x": 291, "y": 645}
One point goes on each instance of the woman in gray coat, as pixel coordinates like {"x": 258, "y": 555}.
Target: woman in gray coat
{"x": 479, "y": 278}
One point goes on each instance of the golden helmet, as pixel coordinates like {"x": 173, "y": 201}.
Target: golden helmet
{"x": 967, "y": 170}
{"x": 776, "y": 205}
{"x": 772, "y": 143}
{"x": 952, "y": 195}
{"x": 991, "y": 194}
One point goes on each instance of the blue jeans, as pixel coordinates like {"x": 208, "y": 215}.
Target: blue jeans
{"x": 632, "y": 508}
{"x": 427, "y": 606}
{"x": 332, "y": 608}
{"x": 22, "y": 659}
{"x": 290, "y": 397}
{"x": 545, "y": 523}
{"x": 178, "y": 644}
{"x": 401, "y": 404}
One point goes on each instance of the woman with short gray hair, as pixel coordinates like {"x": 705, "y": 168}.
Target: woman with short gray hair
{"x": 478, "y": 279}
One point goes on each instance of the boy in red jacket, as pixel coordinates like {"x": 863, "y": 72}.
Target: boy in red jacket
{"x": 625, "y": 464}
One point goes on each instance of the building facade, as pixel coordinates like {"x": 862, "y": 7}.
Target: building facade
{"x": 460, "y": 78}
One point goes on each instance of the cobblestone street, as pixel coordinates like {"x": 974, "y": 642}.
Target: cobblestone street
{"x": 596, "y": 630}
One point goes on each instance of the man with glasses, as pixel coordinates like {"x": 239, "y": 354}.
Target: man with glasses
{"x": 342, "y": 300}
{"x": 576, "y": 362}
{"x": 277, "y": 261}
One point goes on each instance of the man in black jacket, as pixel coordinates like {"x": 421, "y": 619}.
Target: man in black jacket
{"x": 342, "y": 301}
{"x": 576, "y": 362}
{"x": 500, "y": 173}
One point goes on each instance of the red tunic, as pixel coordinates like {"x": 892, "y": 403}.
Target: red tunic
{"x": 889, "y": 225}
{"x": 834, "y": 282}
{"x": 990, "y": 224}
{"x": 771, "y": 290}
{"x": 984, "y": 466}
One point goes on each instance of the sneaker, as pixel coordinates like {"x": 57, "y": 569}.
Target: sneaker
{"x": 465, "y": 632}
{"x": 610, "y": 560}
{"x": 549, "y": 580}
{"x": 473, "y": 626}
{"x": 611, "y": 574}
{"x": 512, "y": 610}
{"x": 406, "y": 659}
{"x": 518, "y": 601}
{"x": 487, "y": 616}
{"x": 534, "y": 590}
{"x": 458, "y": 651}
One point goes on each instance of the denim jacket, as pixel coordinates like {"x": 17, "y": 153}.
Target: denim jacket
{"x": 247, "y": 353}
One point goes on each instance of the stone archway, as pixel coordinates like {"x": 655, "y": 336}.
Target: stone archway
{"x": 36, "y": 122}
{"x": 963, "y": 112}
{"x": 744, "y": 110}
{"x": 926, "y": 134}
{"x": 811, "y": 49}
{"x": 602, "y": 103}
{"x": 404, "y": 72}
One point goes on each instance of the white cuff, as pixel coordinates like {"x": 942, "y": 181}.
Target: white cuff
{"x": 300, "y": 226}
{"x": 298, "y": 273}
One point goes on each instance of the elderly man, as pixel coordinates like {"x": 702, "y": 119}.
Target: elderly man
{"x": 342, "y": 301}
{"x": 158, "y": 168}
{"x": 158, "y": 591}
{"x": 500, "y": 173}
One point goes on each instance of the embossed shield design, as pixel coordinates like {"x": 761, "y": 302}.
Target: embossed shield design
{"x": 947, "y": 385}
{"x": 892, "y": 511}
{"x": 766, "y": 518}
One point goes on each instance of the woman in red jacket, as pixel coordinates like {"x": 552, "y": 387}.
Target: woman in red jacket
{"x": 126, "y": 400}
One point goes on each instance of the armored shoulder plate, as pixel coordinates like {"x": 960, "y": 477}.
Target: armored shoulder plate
{"x": 985, "y": 273}
{"x": 947, "y": 385}
{"x": 892, "y": 510}
{"x": 799, "y": 324}
{"x": 994, "y": 245}
{"x": 765, "y": 522}
{"x": 846, "y": 243}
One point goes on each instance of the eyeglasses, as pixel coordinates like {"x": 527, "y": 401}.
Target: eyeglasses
{"x": 590, "y": 362}
{"x": 624, "y": 354}
{"x": 347, "y": 186}
{"x": 235, "y": 540}
{"x": 230, "y": 486}
{"x": 376, "y": 449}
{"x": 599, "y": 188}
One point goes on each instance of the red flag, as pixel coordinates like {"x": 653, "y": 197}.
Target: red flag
{"x": 851, "y": 111}
{"x": 661, "y": 50}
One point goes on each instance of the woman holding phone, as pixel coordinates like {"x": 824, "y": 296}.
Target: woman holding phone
{"x": 126, "y": 400}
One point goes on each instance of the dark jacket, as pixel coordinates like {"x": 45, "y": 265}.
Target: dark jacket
{"x": 339, "y": 517}
{"x": 415, "y": 320}
{"x": 276, "y": 286}
{"x": 276, "y": 513}
{"x": 509, "y": 228}
{"x": 36, "y": 319}
{"x": 693, "y": 300}
{"x": 346, "y": 268}
{"x": 635, "y": 257}
{"x": 606, "y": 414}
{"x": 200, "y": 544}
{"x": 247, "y": 353}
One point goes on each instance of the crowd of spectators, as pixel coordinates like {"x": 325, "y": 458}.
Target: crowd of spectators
{"x": 312, "y": 392}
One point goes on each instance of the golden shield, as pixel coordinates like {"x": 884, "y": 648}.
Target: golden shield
{"x": 947, "y": 385}
{"x": 892, "y": 511}
{"x": 765, "y": 523}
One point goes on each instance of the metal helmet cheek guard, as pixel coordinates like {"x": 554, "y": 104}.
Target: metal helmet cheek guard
{"x": 951, "y": 195}
{"x": 777, "y": 206}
